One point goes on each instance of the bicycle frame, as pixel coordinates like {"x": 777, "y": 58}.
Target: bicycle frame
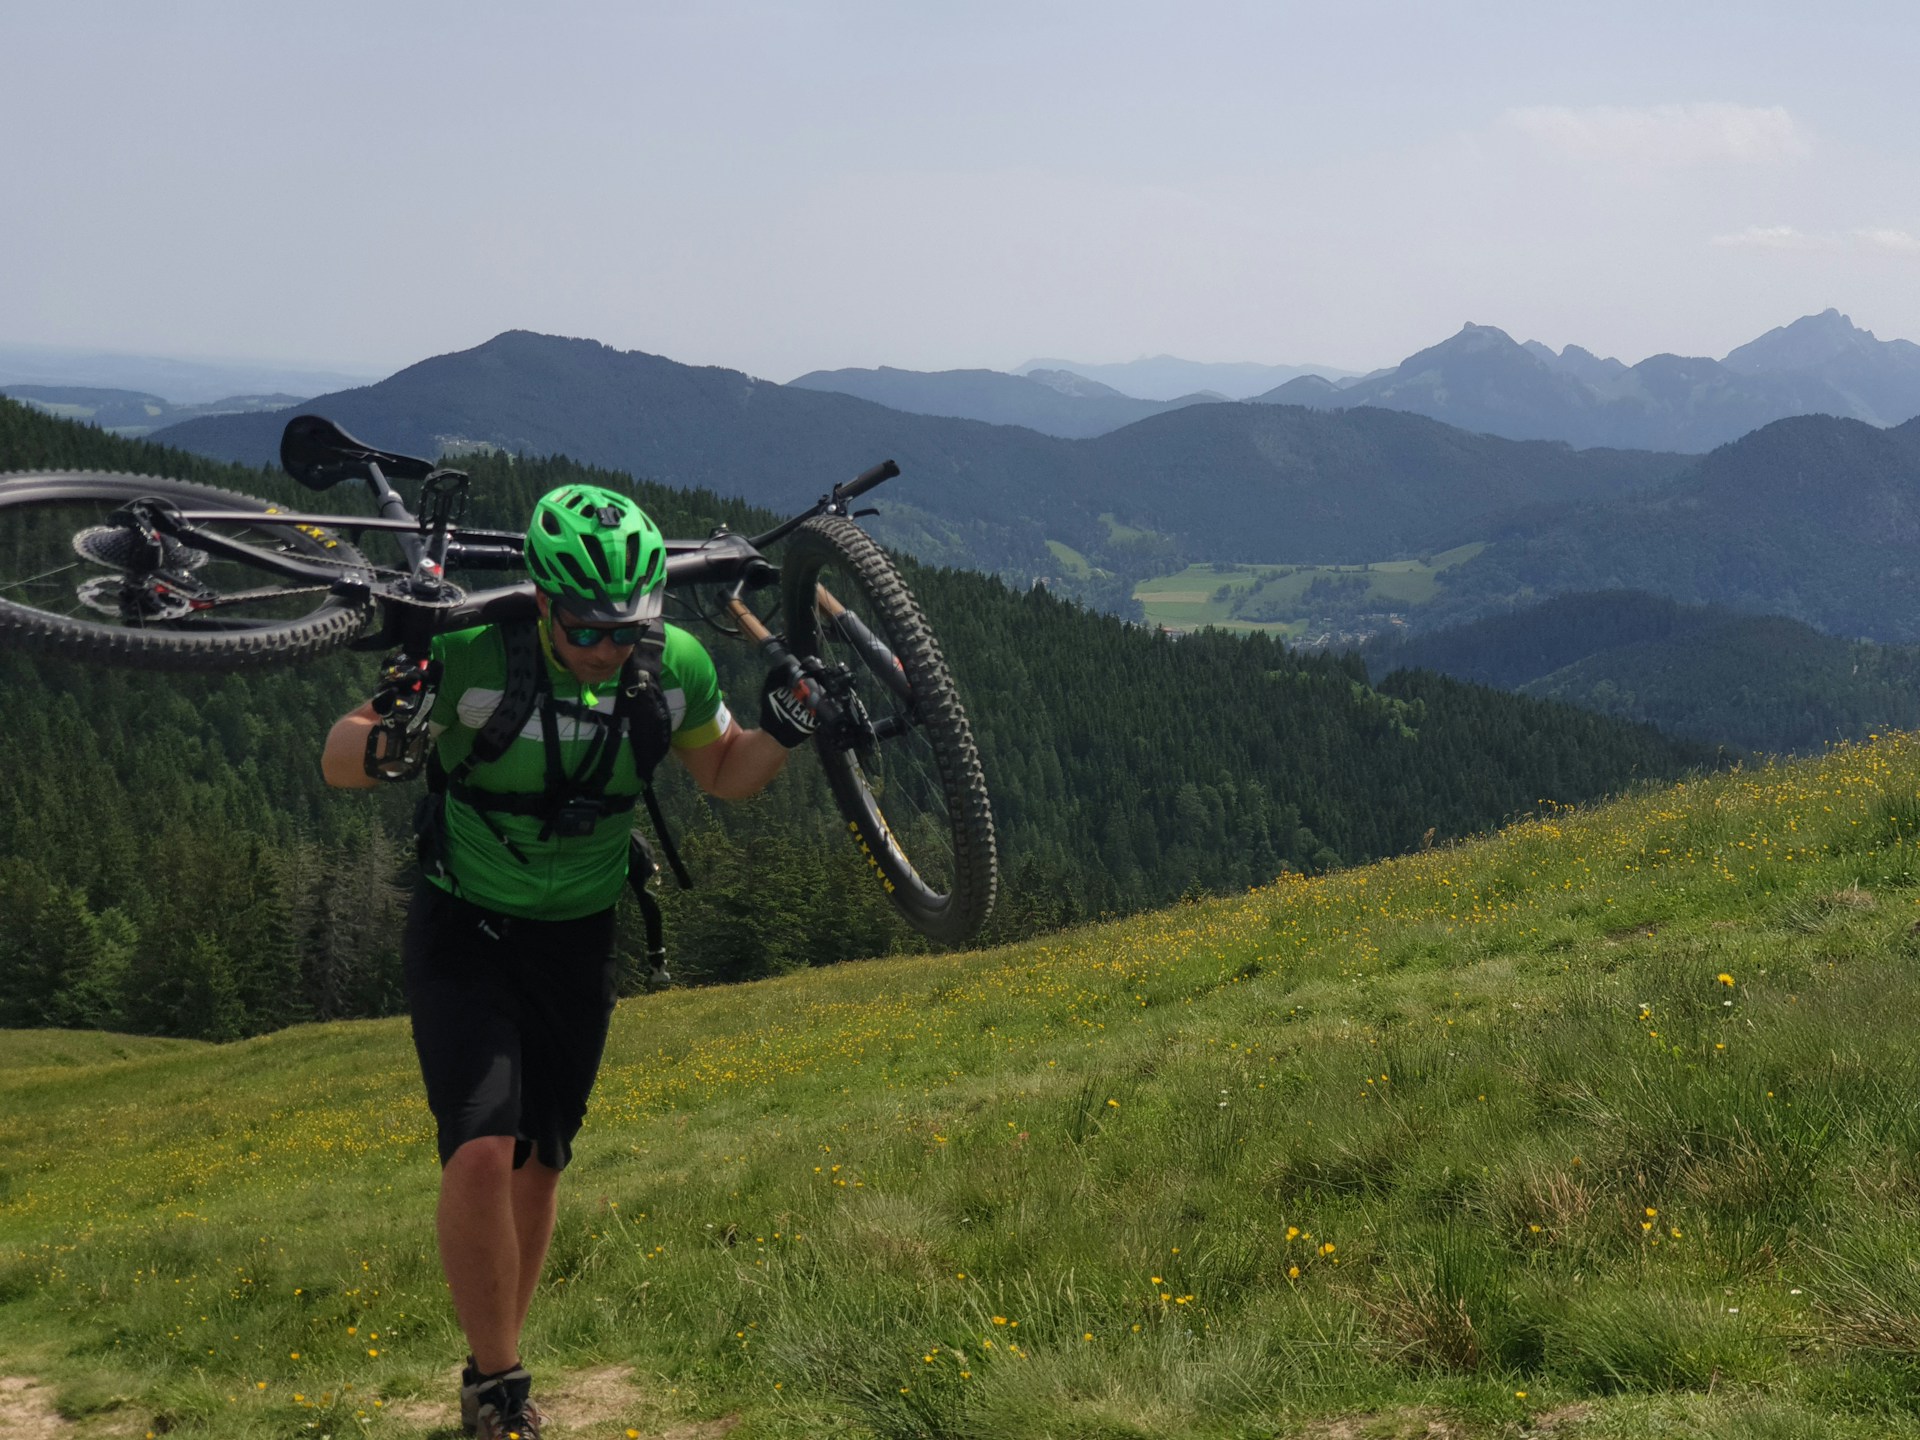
{"x": 418, "y": 606}
{"x": 421, "y": 603}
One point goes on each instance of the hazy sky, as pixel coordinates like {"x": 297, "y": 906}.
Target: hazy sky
{"x": 779, "y": 187}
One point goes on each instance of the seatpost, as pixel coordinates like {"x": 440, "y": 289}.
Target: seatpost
{"x": 392, "y": 507}
{"x": 443, "y": 501}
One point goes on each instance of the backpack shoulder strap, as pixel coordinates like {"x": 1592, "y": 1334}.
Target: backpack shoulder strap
{"x": 642, "y": 708}
{"x": 526, "y": 678}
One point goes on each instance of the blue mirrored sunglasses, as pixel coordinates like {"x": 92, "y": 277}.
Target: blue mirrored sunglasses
{"x": 585, "y": 637}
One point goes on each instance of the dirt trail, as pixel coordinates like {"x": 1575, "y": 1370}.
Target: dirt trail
{"x": 28, "y": 1406}
{"x": 601, "y": 1404}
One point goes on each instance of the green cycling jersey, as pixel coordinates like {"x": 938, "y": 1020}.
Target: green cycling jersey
{"x": 560, "y": 877}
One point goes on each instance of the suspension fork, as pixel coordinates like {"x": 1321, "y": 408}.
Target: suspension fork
{"x": 842, "y": 716}
{"x": 855, "y": 631}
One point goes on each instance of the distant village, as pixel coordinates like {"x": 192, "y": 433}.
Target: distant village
{"x": 1350, "y": 634}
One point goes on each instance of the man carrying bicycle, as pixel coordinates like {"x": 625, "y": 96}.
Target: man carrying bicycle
{"x": 543, "y": 735}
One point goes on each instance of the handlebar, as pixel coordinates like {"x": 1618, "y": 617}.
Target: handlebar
{"x": 866, "y": 480}
{"x": 831, "y": 503}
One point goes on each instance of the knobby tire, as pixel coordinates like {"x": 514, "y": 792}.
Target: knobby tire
{"x": 918, "y": 803}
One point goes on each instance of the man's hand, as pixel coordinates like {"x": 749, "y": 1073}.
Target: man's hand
{"x": 787, "y": 709}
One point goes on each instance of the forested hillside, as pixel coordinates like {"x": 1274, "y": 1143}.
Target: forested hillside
{"x": 170, "y": 861}
{"x": 1814, "y": 518}
{"x": 1748, "y": 682}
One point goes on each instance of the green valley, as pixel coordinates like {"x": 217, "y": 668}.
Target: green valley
{"x": 1317, "y": 603}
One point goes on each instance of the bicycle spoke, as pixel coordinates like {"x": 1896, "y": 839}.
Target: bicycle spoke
{"x": 30, "y": 581}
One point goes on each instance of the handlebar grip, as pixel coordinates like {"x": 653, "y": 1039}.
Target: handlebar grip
{"x": 866, "y": 480}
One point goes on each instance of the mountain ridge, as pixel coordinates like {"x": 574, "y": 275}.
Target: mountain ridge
{"x": 1812, "y": 517}
{"x": 1167, "y": 377}
{"x": 1053, "y": 405}
{"x": 1216, "y": 481}
{"x": 1481, "y": 379}
{"x": 176, "y": 379}
{"x": 133, "y": 413}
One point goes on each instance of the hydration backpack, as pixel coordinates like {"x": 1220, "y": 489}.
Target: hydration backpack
{"x": 570, "y": 804}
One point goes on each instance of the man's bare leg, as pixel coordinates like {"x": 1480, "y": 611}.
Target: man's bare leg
{"x": 536, "y": 1191}
{"x": 494, "y": 1224}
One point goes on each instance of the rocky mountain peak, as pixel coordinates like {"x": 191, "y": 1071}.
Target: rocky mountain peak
{"x": 1810, "y": 341}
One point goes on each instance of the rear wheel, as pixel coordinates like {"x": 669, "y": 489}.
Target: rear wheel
{"x": 908, "y": 781}
{"x": 79, "y": 576}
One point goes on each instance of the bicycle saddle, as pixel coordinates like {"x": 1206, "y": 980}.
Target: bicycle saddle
{"x": 319, "y": 454}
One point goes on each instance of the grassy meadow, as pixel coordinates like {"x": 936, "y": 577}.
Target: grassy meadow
{"x": 1603, "y": 1127}
{"x": 1192, "y": 597}
{"x": 1073, "y": 565}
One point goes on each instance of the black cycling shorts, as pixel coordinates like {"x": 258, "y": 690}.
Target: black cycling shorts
{"x": 509, "y": 1018}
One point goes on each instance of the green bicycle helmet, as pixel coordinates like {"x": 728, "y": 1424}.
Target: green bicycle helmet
{"x": 598, "y": 554}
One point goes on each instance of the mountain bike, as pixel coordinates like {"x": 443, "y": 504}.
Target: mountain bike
{"x": 168, "y": 575}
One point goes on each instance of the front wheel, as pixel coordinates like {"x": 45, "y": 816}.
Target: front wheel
{"x": 908, "y": 779}
{"x": 78, "y": 577}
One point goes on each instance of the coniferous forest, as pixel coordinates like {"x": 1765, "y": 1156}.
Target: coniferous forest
{"x": 171, "y": 863}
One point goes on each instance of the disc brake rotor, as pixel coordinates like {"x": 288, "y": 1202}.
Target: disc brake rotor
{"x": 123, "y": 597}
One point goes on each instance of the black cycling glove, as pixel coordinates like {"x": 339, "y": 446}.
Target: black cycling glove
{"x": 786, "y": 709}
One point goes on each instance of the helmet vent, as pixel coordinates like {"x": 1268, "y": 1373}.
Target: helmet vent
{"x": 550, "y": 522}
{"x": 597, "y": 553}
{"x": 579, "y": 573}
{"x": 633, "y": 553}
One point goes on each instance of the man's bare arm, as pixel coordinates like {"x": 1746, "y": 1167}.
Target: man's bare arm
{"x": 344, "y": 760}
{"x": 740, "y": 763}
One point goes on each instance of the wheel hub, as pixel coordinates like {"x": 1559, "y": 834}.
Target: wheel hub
{"x": 143, "y": 598}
